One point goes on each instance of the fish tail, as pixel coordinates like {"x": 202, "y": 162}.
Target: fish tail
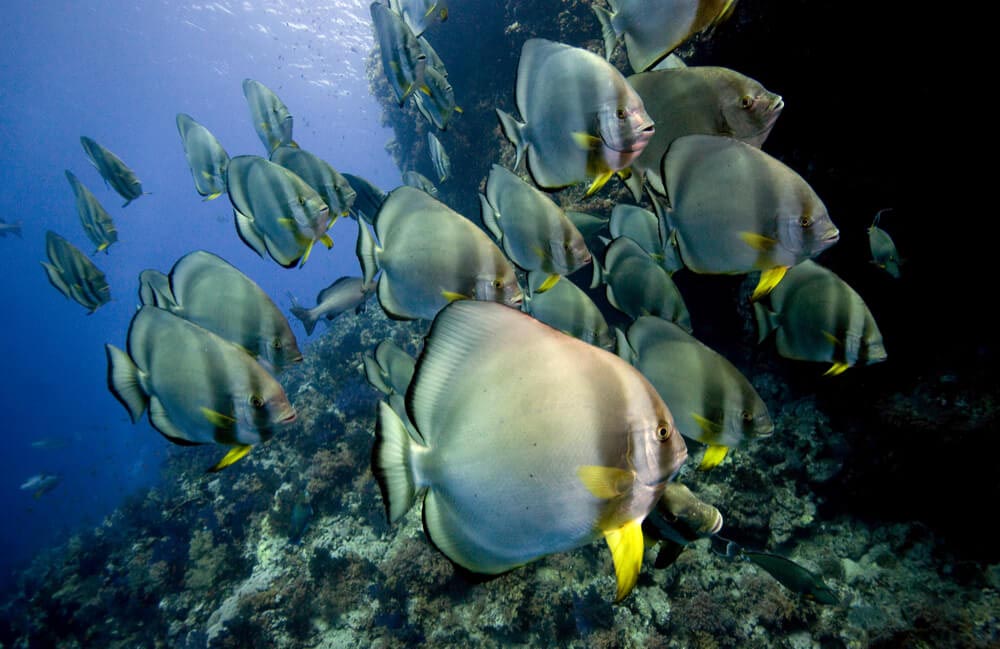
{"x": 306, "y": 316}
{"x": 607, "y": 30}
{"x": 514, "y": 130}
{"x": 123, "y": 380}
{"x": 392, "y": 462}
{"x": 366, "y": 251}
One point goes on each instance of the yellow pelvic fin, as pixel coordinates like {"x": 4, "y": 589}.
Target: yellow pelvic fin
{"x": 452, "y": 296}
{"x": 627, "y": 547}
{"x": 206, "y": 175}
{"x": 625, "y": 173}
{"x": 212, "y": 197}
{"x": 599, "y": 182}
{"x": 327, "y": 241}
{"x": 458, "y": 109}
{"x": 549, "y": 282}
{"x": 836, "y": 368}
{"x": 605, "y": 482}
{"x": 768, "y": 280}
{"x": 444, "y": 14}
{"x": 289, "y": 224}
{"x": 426, "y": 90}
{"x": 102, "y": 246}
{"x": 217, "y": 418}
{"x": 713, "y": 457}
{"x": 758, "y": 241}
{"x": 586, "y": 141}
{"x": 305, "y": 255}
{"x": 833, "y": 339}
{"x": 234, "y": 455}
{"x": 708, "y": 426}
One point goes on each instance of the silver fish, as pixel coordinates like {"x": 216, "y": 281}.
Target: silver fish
{"x": 816, "y": 316}
{"x": 403, "y": 62}
{"x": 40, "y": 484}
{"x": 638, "y": 285}
{"x": 712, "y": 402}
{"x": 735, "y": 209}
{"x": 420, "y": 14}
{"x": 706, "y": 100}
{"x": 116, "y": 173}
{"x": 535, "y": 233}
{"x": 276, "y": 210}
{"x": 72, "y": 273}
{"x": 332, "y": 187}
{"x": 431, "y": 255}
{"x": 883, "y": 249}
{"x": 345, "y": 294}
{"x": 439, "y": 157}
{"x": 10, "y": 228}
{"x": 436, "y": 99}
{"x": 205, "y": 157}
{"x": 515, "y": 457}
{"x": 210, "y": 292}
{"x": 652, "y": 30}
{"x": 582, "y": 120}
{"x": 389, "y": 369}
{"x": 269, "y": 115}
{"x": 646, "y": 229}
{"x": 96, "y": 221}
{"x": 419, "y": 181}
{"x": 198, "y": 387}
{"x": 566, "y": 307}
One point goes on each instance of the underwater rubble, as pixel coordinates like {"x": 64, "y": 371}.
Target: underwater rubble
{"x": 213, "y": 560}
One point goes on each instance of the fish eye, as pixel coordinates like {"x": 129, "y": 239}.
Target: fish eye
{"x": 620, "y": 114}
{"x": 747, "y": 415}
{"x": 497, "y": 284}
{"x": 276, "y": 343}
{"x": 256, "y": 401}
{"x": 746, "y": 101}
{"x": 662, "y": 433}
{"x": 805, "y": 221}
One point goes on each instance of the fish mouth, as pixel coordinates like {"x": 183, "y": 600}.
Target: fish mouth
{"x": 643, "y": 135}
{"x": 777, "y": 105}
{"x": 287, "y": 419}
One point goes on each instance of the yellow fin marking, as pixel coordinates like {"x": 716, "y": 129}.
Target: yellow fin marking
{"x": 452, "y": 296}
{"x": 713, "y": 457}
{"x": 102, "y": 246}
{"x": 605, "y": 482}
{"x": 327, "y": 241}
{"x": 758, "y": 241}
{"x": 458, "y": 109}
{"x": 549, "y": 282}
{"x": 218, "y": 419}
{"x": 836, "y": 369}
{"x": 768, "y": 280}
{"x": 585, "y": 141}
{"x": 599, "y": 182}
{"x": 234, "y": 455}
{"x": 707, "y": 426}
{"x": 305, "y": 255}
{"x": 426, "y": 90}
{"x": 626, "y": 544}
{"x": 212, "y": 197}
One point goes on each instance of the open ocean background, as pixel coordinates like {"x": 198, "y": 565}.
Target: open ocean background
{"x": 119, "y": 71}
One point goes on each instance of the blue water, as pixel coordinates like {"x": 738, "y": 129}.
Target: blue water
{"x": 119, "y": 71}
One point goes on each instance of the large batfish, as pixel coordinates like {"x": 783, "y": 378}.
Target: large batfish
{"x": 205, "y": 157}
{"x": 198, "y": 387}
{"x": 72, "y": 273}
{"x": 403, "y": 60}
{"x": 582, "y": 121}
{"x": 115, "y": 172}
{"x": 525, "y": 442}
{"x": 332, "y": 187}
{"x": 430, "y": 255}
{"x": 269, "y": 114}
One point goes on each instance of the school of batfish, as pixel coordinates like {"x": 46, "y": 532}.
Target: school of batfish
{"x": 527, "y": 426}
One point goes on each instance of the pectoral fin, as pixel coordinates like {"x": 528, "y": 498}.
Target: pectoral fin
{"x": 626, "y": 547}
{"x": 713, "y": 457}
{"x": 758, "y": 241}
{"x": 218, "y": 419}
{"x": 234, "y": 455}
{"x": 549, "y": 282}
{"x": 452, "y": 296}
{"x": 605, "y": 482}
{"x": 768, "y": 280}
{"x": 586, "y": 141}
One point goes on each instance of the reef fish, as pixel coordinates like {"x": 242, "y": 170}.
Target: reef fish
{"x": 209, "y": 291}
{"x": 793, "y": 576}
{"x": 582, "y": 119}
{"x": 883, "y": 249}
{"x": 638, "y": 285}
{"x": 367, "y": 200}
{"x": 10, "y": 228}
{"x": 439, "y": 157}
{"x": 706, "y": 100}
{"x": 277, "y": 212}
{"x": 419, "y": 181}
{"x": 653, "y": 29}
{"x": 270, "y": 116}
{"x": 389, "y": 368}
{"x": 205, "y": 157}
{"x": 646, "y": 229}
{"x": 535, "y": 232}
{"x": 735, "y": 209}
{"x": 817, "y": 316}
{"x": 332, "y": 187}
{"x": 566, "y": 307}
{"x": 403, "y": 61}
{"x": 712, "y": 402}
{"x": 436, "y": 99}
{"x": 116, "y": 173}
{"x": 344, "y": 294}
{"x": 198, "y": 387}
{"x": 96, "y": 221}
{"x": 431, "y": 255}
{"x": 420, "y": 14}
{"x": 680, "y": 518}
{"x": 515, "y": 457}
{"x": 72, "y": 273}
